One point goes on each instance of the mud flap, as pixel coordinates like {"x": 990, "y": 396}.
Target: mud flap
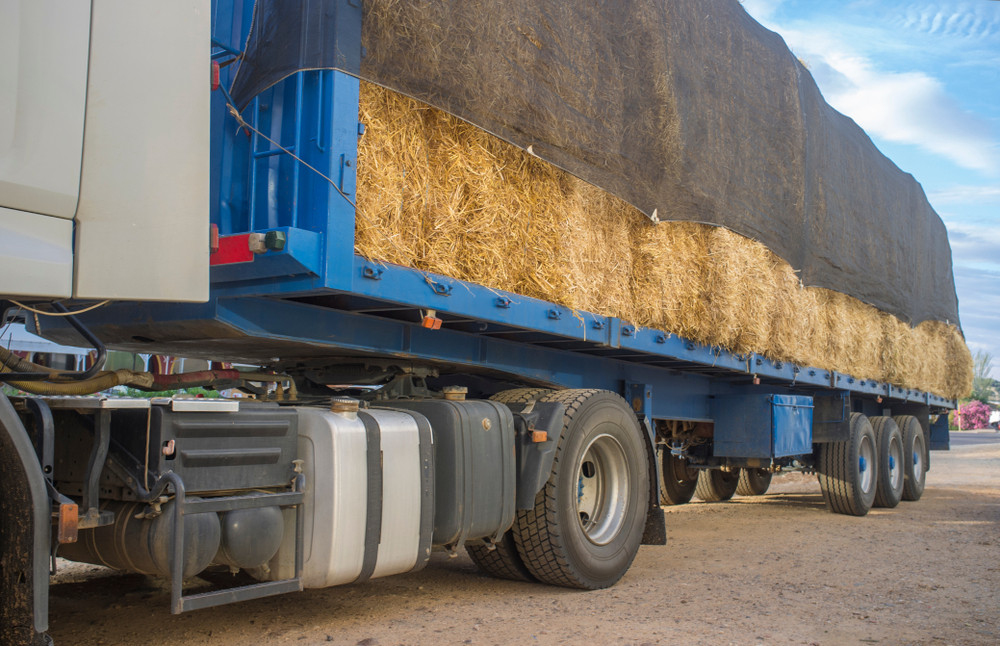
{"x": 24, "y": 536}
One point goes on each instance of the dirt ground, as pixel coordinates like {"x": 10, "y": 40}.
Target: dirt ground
{"x": 777, "y": 569}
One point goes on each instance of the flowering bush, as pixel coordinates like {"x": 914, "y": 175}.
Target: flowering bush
{"x": 974, "y": 414}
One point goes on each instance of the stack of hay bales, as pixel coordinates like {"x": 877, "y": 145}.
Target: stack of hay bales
{"x": 440, "y": 195}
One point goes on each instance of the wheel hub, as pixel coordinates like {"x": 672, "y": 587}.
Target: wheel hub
{"x": 602, "y": 489}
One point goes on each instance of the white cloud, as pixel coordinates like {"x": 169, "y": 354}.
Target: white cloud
{"x": 975, "y": 195}
{"x": 975, "y": 246}
{"x": 966, "y": 20}
{"x": 761, "y": 9}
{"x": 979, "y": 307}
{"x": 900, "y": 107}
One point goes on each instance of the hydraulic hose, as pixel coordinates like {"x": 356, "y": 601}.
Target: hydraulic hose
{"x": 97, "y": 383}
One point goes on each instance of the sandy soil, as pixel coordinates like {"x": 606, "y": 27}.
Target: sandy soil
{"x": 777, "y": 569}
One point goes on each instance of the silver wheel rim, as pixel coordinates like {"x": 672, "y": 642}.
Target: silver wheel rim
{"x": 866, "y": 464}
{"x": 918, "y": 457}
{"x": 895, "y": 463}
{"x": 602, "y": 489}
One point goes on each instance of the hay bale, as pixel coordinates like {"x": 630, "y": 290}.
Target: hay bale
{"x": 438, "y": 194}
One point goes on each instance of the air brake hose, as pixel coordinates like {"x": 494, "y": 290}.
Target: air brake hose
{"x": 14, "y": 363}
{"x": 101, "y": 381}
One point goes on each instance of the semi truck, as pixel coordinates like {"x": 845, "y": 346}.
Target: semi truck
{"x": 394, "y": 411}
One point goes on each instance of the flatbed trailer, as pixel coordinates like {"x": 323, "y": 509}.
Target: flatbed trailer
{"x": 582, "y": 426}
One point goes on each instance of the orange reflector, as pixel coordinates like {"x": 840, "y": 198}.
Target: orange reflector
{"x": 539, "y": 436}
{"x": 69, "y": 518}
{"x": 432, "y": 323}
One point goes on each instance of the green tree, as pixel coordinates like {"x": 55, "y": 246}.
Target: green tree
{"x": 982, "y": 383}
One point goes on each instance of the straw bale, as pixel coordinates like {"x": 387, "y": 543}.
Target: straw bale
{"x": 440, "y": 195}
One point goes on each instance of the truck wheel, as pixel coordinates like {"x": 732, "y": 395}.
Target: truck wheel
{"x": 520, "y": 395}
{"x": 914, "y": 456}
{"x": 503, "y": 562}
{"x": 889, "y": 442}
{"x": 754, "y": 482}
{"x": 588, "y": 520}
{"x": 848, "y": 471}
{"x": 678, "y": 480}
{"x": 717, "y": 485}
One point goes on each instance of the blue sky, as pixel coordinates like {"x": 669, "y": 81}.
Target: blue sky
{"x": 923, "y": 79}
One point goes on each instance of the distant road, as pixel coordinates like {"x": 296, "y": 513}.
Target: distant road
{"x": 969, "y": 438}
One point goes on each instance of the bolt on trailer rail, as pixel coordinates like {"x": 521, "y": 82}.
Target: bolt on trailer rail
{"x": 172, "y": 476}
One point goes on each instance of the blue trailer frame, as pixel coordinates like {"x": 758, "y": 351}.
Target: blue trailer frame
{"x": 311, "y": 296}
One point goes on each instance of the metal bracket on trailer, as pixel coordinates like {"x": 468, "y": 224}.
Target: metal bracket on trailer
{"x": 180, "y": 603}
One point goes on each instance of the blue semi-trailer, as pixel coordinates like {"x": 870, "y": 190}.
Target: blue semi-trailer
{"x": 397, "y": 411}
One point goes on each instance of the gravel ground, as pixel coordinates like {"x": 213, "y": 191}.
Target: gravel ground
{"x": 776, "y": 569}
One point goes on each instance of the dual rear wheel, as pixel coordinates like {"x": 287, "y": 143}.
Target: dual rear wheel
{"x": 587, "y": 522}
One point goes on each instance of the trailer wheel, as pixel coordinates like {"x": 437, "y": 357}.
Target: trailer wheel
{"x": 914, "y": 456}
{"x": 889, "y": 442}
{"x": 503, "y": 561}
{"x": 717, "y": 485}
{"x": 677, "y": 481}
{"x": 848, "y": 470}
{"x": 588, "y": 520}
{"x": 754, "y": 482}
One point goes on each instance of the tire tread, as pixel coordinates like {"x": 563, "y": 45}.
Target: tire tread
{"x": 536, "y": 531}
{"x": 835, "y": 476}
{"x": 713, "y": 487}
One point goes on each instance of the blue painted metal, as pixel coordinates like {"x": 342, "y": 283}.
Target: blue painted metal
{"x": 317, "y": 298}
{"x": 762, "y": 425}
{"x": 303, "y": 254}
{"x": 315, "y": 115}
{"x": 791, "y": 425}
{"x": 862, "y": 464}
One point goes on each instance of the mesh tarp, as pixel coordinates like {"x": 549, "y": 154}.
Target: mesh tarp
{"x": 687, "y": 109}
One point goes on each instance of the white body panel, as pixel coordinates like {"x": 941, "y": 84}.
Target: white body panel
{"x": 104, "y": 120}
{"x": 143, "y": 214}
{"x": 334, "y": 450}
{"x": 43, "y": 91}
{"x": 36, "y": 254}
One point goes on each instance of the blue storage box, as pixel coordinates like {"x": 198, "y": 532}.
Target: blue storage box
{"x": 762, "y": 426}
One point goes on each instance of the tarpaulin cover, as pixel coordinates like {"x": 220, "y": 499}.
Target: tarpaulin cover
{"x": 687, "y": 109}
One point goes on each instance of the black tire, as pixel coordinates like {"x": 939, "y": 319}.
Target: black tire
{"x": 717, "y": 485}
{"x": 587, "y": 522}
{"x": 914, "y": 456}
{"x": 889, "y": 443}
{"x": 677, "y": 480}
{"x": 520, "y": 395}
{"x": 848, "y": 470}
{"x": 754, "y": 482}
{"x": 503, "y": 561}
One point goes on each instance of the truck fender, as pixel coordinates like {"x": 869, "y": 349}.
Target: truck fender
{"x": 537, "y": 426}
{"x": 24, "y": 535}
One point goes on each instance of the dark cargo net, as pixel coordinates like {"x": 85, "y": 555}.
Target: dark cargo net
{"x": 686, "y": 109}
